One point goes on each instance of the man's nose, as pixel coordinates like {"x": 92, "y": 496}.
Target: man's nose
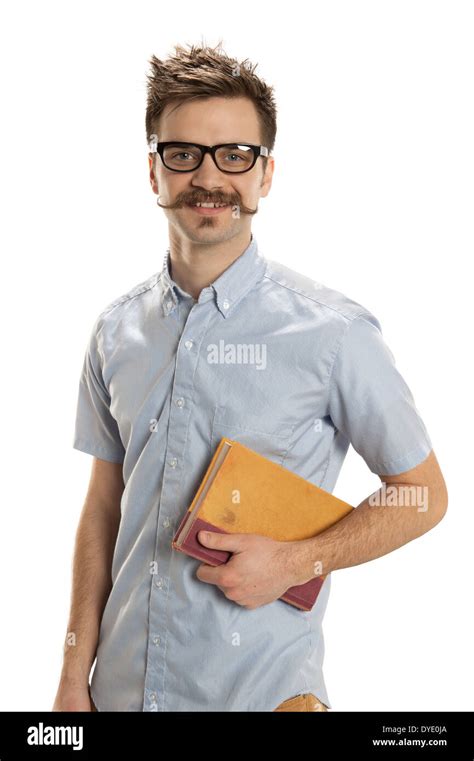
{"x": 208, "y": 175}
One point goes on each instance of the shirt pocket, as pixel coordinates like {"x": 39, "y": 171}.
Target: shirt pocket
{"x": 270, "y": 439}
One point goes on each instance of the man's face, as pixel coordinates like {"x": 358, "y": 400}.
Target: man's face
{"x": 210, "y": 122}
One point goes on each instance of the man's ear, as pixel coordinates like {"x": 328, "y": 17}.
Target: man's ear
{"x": 153, "y": 180}
{"x": 267, "y": 177}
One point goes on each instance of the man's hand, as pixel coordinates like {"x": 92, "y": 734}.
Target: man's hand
{"x": 258, "y": 572}
{"x": 72, "y": 696}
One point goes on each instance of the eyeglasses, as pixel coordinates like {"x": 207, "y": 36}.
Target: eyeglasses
{"x": 231, "y": 158}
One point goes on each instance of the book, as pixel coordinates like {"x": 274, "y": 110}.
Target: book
{"x": 246, "y": 493}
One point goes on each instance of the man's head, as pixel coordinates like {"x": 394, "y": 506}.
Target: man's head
{"x": 203, "y": 96}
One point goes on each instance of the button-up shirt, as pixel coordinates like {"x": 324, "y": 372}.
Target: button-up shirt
{"x": 265, "y": 356}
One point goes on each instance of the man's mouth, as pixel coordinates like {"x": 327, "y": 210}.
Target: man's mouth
{"x": 208, "y": 208}
{"x": 208, "y": 205}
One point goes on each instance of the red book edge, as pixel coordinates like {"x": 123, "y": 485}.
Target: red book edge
{"x": 302, "y": 596}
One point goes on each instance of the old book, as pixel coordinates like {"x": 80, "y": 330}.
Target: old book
{"x": 245, "y": 492}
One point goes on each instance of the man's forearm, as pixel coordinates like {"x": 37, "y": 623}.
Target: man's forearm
{"x": 368, "y": 532}
{"x": 91, "y": 584}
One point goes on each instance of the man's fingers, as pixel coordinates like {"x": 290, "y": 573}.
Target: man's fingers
{"x": 209, "y": 573}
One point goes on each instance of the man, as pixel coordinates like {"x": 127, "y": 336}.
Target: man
{"x": 162, "y": 383}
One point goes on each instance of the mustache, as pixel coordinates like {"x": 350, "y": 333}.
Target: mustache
{"x": 184, "y": 199}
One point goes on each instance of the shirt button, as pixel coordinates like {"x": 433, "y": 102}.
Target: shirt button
{"x": 173, "y": 462}
{"x": 159, "y": 583}
{"x": 225, "y": 304}
{"x": 153, "y": 697}
{"x": 166, "y": 522}
{"x": 180, "y": 402}
{"x": 156, "y": 641}
{"x": 169, "y": 304}
{"x": 188, "y": 344}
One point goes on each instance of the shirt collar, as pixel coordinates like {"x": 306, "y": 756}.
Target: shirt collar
{"x": 172, "y": 292}
{"x": 228, "y": 289}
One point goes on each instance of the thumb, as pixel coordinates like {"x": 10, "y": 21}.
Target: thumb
{"x": 231, "y": 542}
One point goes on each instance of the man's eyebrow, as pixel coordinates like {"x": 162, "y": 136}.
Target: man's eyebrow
{"x": 197, "y": 142}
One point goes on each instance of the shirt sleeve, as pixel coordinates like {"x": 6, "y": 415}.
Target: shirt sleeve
{"x": 370, "y": 402}
{"x": 96, "y": 431}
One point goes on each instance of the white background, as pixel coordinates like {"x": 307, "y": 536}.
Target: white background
{"x": 373, "y": 195}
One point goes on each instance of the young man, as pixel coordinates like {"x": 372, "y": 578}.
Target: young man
{"x": 162, "y": 382}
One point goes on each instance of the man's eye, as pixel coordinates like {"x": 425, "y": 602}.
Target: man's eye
{"x": 236, "y": 156}
{"x": 180, "y": 156}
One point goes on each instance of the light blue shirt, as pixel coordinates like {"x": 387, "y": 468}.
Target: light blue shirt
{"x": 266, "y": 356}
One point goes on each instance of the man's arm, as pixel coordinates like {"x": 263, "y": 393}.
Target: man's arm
{"x": 405, "y": 507}
{"x": 91, "y": 583}
{"x": 261, "y": 569}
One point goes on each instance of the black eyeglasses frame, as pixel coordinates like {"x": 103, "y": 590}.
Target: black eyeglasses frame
{"x": 156, "y": 147}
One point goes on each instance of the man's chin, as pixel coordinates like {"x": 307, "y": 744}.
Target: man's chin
{"x": 206, "y": 233}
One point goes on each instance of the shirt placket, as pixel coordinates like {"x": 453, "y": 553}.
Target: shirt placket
{"x": 170, "y": 508}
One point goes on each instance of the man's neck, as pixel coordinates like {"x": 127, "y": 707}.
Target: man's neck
{"x": 194, "y": 266}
